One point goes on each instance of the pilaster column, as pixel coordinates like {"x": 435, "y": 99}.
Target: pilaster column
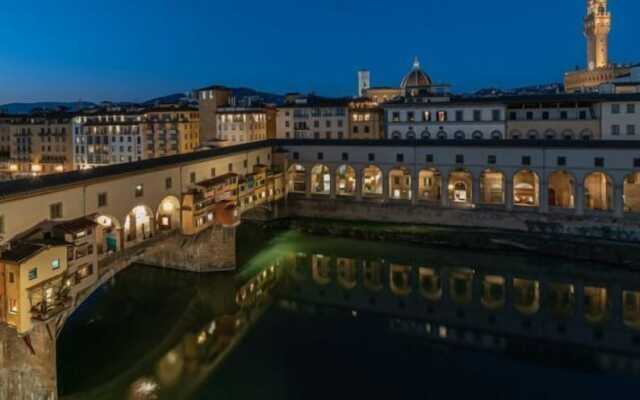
{"x": 544, "y": 195}
{"x": 359, "y": 183}
{"x": 618, "y": 200}
{"x": 579, "y": 198}
{"x": 385, "y": 186}
{"x": 508, "y": 193}
{"x": 414, "y": 187}
{"x": 475, "y": 189}
{"x": 444, "y": 188}
{"x": 307, "y": 189}
{"x": 333, "y": 184}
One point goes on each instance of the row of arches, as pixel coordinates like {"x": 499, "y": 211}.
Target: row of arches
{"x": 141, "y": 223}
{"x": 443, "y": 135}
{"x": 552, "y": 134}
{"x": 524, "y": 189}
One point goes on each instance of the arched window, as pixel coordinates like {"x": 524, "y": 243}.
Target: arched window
{"x": 460, "y": 186}
{"x": 632, "y": 193}
{"x": 345, "y": 181}
{"x": 396, "y": 135}
{"x": 459, "y": 135}
{"x": 411, "y": 135}
{"x": 567, "y": 134}
{"x": 598, "y": 192}
{"x": 516, "y": 135}
{"x": 372, "y": 181}
{"x": 429, "y": 185}
{"x": 425, "y": 134}
{"x": 320, "y": 179}
{"x": 442, "y": 135}
{"x": 533, "y": 135}
{"x": 297, "y": 179}
{"x": 477, "y": 135}
{"x": 550, "y": 134}
{"x": 561, "y": 190}
{"x": 496, "y": 135}
{"x": 586, "y": 134}
{"x": 400, "y": 184}
{"x": 526, "y": 189}
{"x": 492, "y": 187}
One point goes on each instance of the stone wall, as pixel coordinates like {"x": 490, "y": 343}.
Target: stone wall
{"x": 27, "y": 374}
{"x": 597, "y": 239}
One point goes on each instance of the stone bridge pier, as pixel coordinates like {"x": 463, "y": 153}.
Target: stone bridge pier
{"x": 28, "y": 364}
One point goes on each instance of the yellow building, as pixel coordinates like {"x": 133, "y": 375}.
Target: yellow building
{"x": 44, "y": 269}
{"x": 41, "y": 143}
{"x": 170, "y": 129}
{"x": 366, "y": 119}
{"x": 202, "y": 202}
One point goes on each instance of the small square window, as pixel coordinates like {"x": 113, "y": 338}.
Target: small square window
{"x": 598, "y": 162}
{"x": 459, "y": 159}
{"x": 562, "y": 161}
{"x": 491, "y": 159}
{"x": 429, "y": 158}
{"x": 230, "y": 167}
{"x": 320, "y": 156}
{"x": 12, "y": 277}
{"x": 296, "y": 155}
{"x": 345, "y": 156}
{"x": 102, "y": 199}
{"x": 213, "y": 172}
{"x": 192, "y": 177}
{"x": 55, "y": 211}
{"x": 1, "y": 224}
{"x": 168, "y": 183}
{"x": 615, "y": 109}
{"x": 246, "y": 164}
{"x": 372, "y": 157}
{"x": 631, "y": 108}
{"x": 526, "y": 160}
{"x": 400, "y": 157}
{"x": 55, "y": 264}
{"x": 33, "y": 274}
{"x": 636, "y": 162}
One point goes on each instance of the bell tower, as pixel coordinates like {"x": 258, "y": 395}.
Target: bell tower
{"x": 597, "y": 25}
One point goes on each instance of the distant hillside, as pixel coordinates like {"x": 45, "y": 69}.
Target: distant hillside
{"x": 25, "y": 108}
{"x": 550, "y": 88}
{"x": 245, "y": 93}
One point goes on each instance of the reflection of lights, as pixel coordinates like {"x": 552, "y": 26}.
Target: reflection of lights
{"x": 202, "y": 337}
{"x": 144, "y": 389}
{"x": 212, "y": 327}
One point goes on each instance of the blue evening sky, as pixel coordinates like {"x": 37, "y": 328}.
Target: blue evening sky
{"x": 119, "y": 50}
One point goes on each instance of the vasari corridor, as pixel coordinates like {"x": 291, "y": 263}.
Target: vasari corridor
{"x": 299, "y": 200}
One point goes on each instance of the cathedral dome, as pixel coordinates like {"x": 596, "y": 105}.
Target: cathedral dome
{"x": 416, "y": 77}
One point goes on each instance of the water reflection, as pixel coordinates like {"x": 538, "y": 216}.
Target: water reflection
{"x": 486, "y": 302}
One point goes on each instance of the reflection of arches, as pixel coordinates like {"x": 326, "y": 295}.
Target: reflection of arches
{"x": 400, "y": 184}
{"x": 562, "y": 300}
{"x": 526, "y": 189}
{"x": 400, "y": 276}
{"x": 631, "y": 308}
{"x": 526, "y": 296}
{"x": 492, "y": 187}
{"x": 561, "y": 190}
{"x": 320, "y": 179}
{"x": 461, "y": 285}
{"x": 372, "y": 181}
{"x": 110, "y": 240}
{"x": 297, "y": 179}
{"x": 139, "y": 224}
{"x": 429, "y": 185}
{"x": 598, "y": 192}
{"x": 460, "y": 187}
{"x": 346, "y": 268}
{"x": 493, "y": 292}
{"x": 168, "y": 214}
{"x": 631, "y": 193}
{"x": 596, "y": 304}
{"x": 373, "y": 275}
{"x": 430, "y": 284}
{"x": 345, "y": 181}
{"x": 321, "y": 269}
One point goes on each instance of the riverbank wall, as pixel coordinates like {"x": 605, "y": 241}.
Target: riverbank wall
{"x": 589, "y": 238}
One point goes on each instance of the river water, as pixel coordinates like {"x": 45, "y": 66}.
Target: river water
{"x": 309, "y": 317}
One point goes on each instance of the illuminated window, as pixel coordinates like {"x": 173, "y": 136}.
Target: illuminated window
{"x": 13, "y": 306}
{"x": 55, "y": 264}
{"x": 55, "y": 211}
{"x": 33, "y": 274}
{"x": 102, "y": 199}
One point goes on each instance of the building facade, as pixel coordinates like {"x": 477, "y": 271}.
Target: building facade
{"x": 311, "y": 117}
{"x": 170, "y": 129}
{"x": 238, "y": 125}
{"x": 209, "y": 100}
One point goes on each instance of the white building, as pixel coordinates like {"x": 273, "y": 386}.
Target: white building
{"x": 620, "y": 117}
{"x": 310, "y": 117}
